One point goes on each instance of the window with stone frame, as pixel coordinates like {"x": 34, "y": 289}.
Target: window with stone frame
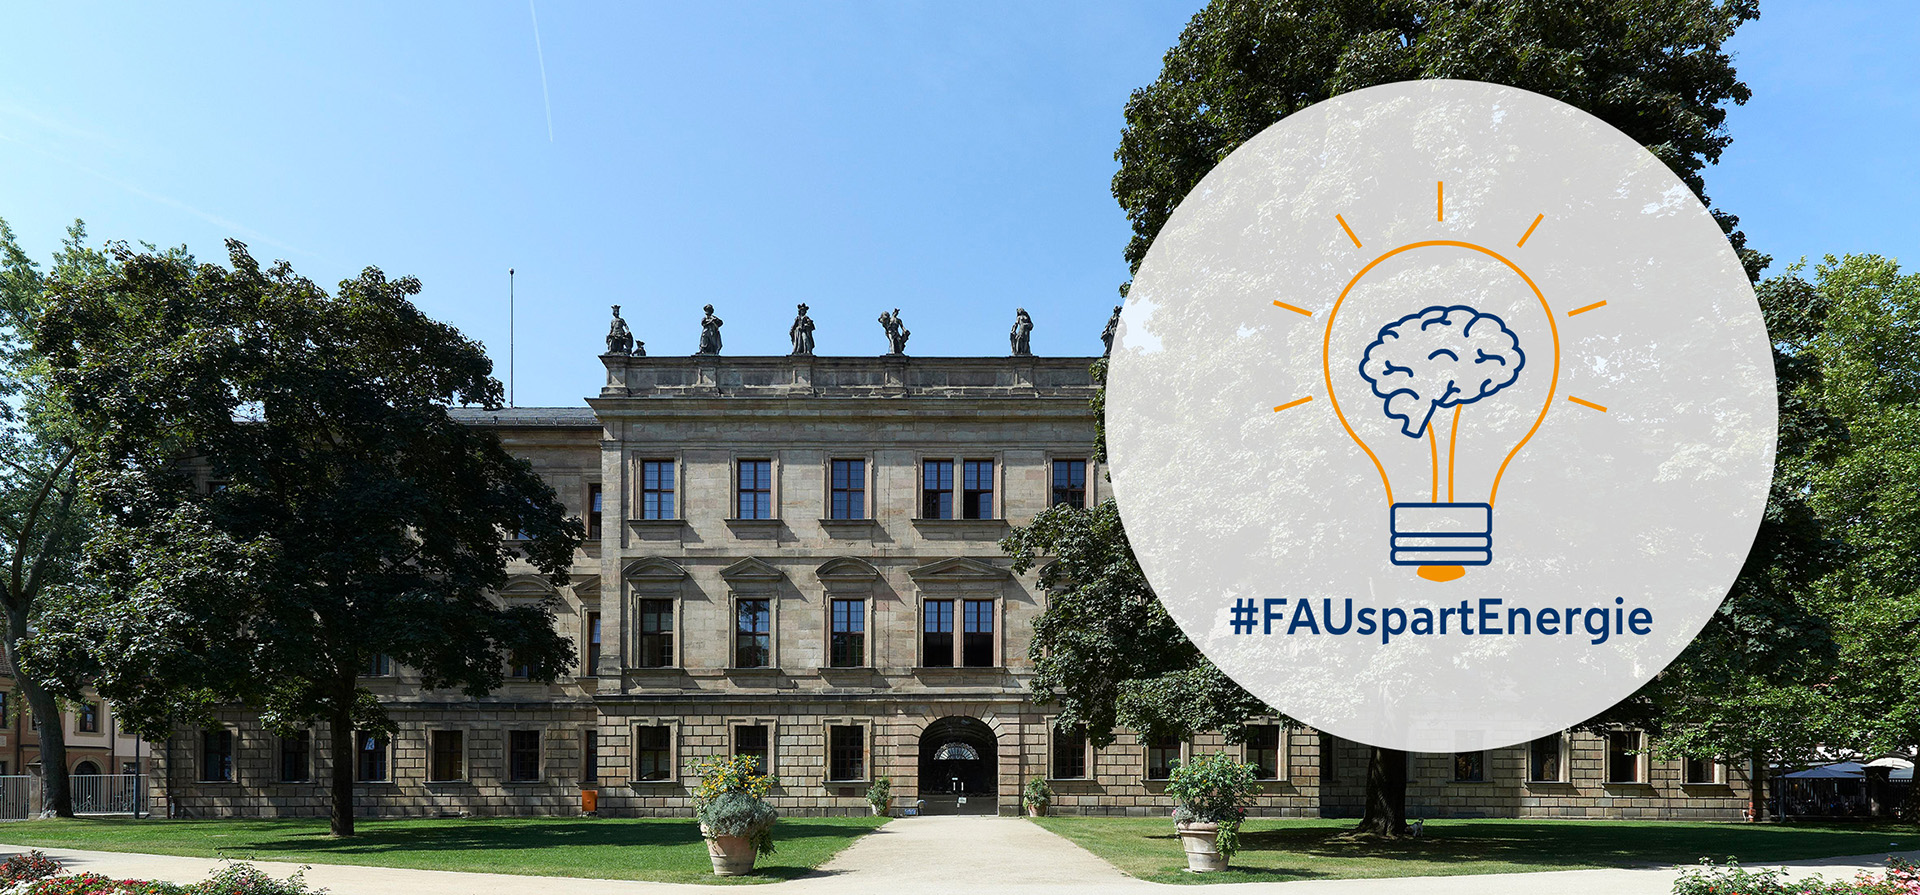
{"x": 656, "y": 489}
{"x": 976, "y": 647}
{"x": 656, "y": 634}
{"x": 296, "y": 757}
{"x": 378, "y": 665}
{"x": 976, "y": 489}
{"x": 1068, "y": 760}
{"x": 1070, "y": 483}
{"x": 373, "y": 755}
{"x": 1470, "y": 767}
{"x": 1163, "y": 752}
{"x": 848, "y": 646}
{"x": 1265, "y": 750}
{"x": 1546, "y": 759}
{"x": 1703, "y": 772}
{"x": 936, "y": 634}
{"x": 216, "y": 755}
{"x": 653, "y": 753}
{"x": 589, "y": 756}
{"x": 753, "y": 487}
{"x": 753, "y": 633}
{"x": 848, "y": 490}
{"x": 756, "y": 742}
{"x": 523, "y": 756}
{"x": 89, "y": 720}
{"x": 446, "y": 755}
{"x": 936, "y": 489}
{"x": 595, "y": 507}
{"x": 846, "y": 752}
{"x": 590, "y": 654}
{"x": 1624, "y": 757}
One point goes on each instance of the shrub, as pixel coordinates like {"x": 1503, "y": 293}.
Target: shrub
{"x": 30, "y": 866}
{"x": 1708, "y": 878}
{"x": 1038, "y": 793}
{"x": 731, "y": 800}
{"x": 880, "y": 794}
{"x": 1214, "y": 788}
{"x": 246, "y": 879}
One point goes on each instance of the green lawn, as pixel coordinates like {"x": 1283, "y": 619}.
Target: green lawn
{"x": 1279, "y": 850}
{"x": 657, "y": 849}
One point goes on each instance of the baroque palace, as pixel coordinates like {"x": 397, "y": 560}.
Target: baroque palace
{"x": 796, "y": 557}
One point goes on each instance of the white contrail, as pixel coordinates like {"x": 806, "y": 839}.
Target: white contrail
{"x": 542, "y": 55}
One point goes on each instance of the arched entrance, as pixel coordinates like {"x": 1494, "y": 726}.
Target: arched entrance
{"x": 86, "y": 768}
{"x": 960, "y": 767}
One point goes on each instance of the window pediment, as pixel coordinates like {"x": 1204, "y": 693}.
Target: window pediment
{"x": 653, "y": 569}
{"x": 958, "y": 570}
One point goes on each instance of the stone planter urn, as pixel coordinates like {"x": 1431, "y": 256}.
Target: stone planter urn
{"x": 880, "y": 810}
{"x": 1201, "y": 843}
{"x": 732, "y": 855}
{"x": 1036, "y": 809}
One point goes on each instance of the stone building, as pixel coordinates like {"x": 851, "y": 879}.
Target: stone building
{"x": 797, "y": 558}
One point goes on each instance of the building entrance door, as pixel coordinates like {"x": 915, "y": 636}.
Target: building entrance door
{"x": 959, "y": 767}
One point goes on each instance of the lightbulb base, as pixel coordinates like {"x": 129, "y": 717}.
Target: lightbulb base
{"x": 1441, "y": 537}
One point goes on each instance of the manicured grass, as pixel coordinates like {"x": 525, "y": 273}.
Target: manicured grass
{"x": 1279, "y": 850}
{"x": 656, "y": 849}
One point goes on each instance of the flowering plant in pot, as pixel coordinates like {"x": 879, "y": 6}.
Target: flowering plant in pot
{"x": 734, "y": 816}
{"x": 880, "y": 796}
{"x": 1210, "y": 794}
{"x": 1038, "y": 796}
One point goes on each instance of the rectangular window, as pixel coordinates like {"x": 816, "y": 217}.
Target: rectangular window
{"x": 216, "y": 755}
{"x": 849, "y": 646}
{"x": 370, "y": 756}
{"x": 1623, "y": 759}
{"x": 1163, "y": 752}
{"x": 656, "y": 633}
{"x": 89, "y": 721}
{"x": 1070, "y": 483}
{"x": 296, "y": 754}
{"x": 753, "y": 740}
{"x": 1470, "y": 767}
{"x": 846, "y": 752}
{"x": 849, "y": 497}
{"x": 1263, "y": 751}
{"x": 590, "y": 756}
{"x": 5, "y": 718}
{"x": 517, "y": 668}
{"x": 594, "y": 501}
{"x": 656, "y": 489}
{"x": 976, "y": 648}
{"x": 378, "y": 665}
{"x": 752, "y": 637}
{"x": 447, "y": 755}
{"x": 936, "y": 634}
{"x": 1069, "y": 753}
{"x": 523, "y": 756}
{"x": 1702, "y": 770}
{"x": 977, "y": 490}
{"x": 936, "y": 489}
{"x": 590, "y": 665}
{"x": 652, "y": 753}
{"x": 1543, "y": 760}
{"x": 754, "y": 485}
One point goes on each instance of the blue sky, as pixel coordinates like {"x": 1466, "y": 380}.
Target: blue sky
{"x": 950, "y": 160}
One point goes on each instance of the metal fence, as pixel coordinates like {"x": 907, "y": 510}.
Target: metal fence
{"x": 109, "y": 793}
{"x": 17, "y": 795}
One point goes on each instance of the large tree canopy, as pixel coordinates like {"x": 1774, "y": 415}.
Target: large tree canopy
{"x": 352, "y": 516}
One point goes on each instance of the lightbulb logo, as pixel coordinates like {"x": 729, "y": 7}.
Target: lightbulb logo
{"x": 1440, "y": 358}
{"x": 1440, "y": 416}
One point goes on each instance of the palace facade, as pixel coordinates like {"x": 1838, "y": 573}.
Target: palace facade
{"x": 797, "y": 558}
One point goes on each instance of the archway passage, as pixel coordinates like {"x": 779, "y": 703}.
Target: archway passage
{"x": 86, "y": 768}
{"x": 960, "y": 767}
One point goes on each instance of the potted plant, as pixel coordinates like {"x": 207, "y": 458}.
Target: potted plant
{"x": 734, "y": 816}
{"x": 880, "y": 796}
{"x": 1210, "y": 794}
{"x": 1038, "y": 796}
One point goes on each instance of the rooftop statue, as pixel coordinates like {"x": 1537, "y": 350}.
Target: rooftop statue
{"x": 801, "y": 333}
{"x": 710, "y": 332}
{"x": 619, "y": 338}
{"x": 1113, "y": 328}
{"x": 1022, "y": 334}
{"x": 896, "y": 333}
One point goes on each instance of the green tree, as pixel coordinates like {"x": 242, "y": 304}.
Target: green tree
{"x": 1655, "y": 69}
{"x": 355, "y": 517}
{"x": 42, "y": 521}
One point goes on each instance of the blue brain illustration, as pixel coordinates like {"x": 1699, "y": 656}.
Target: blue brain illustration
{"x": 1440, "y": 357}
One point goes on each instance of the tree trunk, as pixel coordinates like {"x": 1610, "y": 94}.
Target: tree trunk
{"x": 1386, "y": 794}
{"x": 57, "y": 795}
{"x": 341, "y": 729}
{"x": 1759, "y": 785}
